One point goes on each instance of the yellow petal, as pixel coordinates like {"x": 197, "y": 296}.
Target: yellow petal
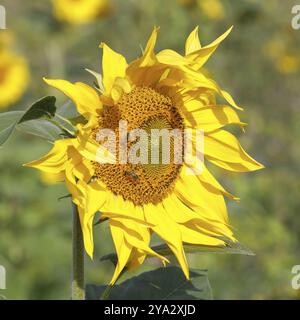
{"x": 194, "y": 79}
{"x": 138, "y": 256}
{"x": 198, "y": 221}
{"x": 192, "y": 236}
{"x": 182, "y": 214}
{"x": 171, "y": 57}
{"x": 87, "y": 198}
{"x": 136, "y": 259}
{"x": 200, "y": 56}
{"x": 229, "y": 99}
{"x": 91, "y": 149}
{"x": 178, "y": 210}
{"x": 55, "y": 160}
{"x": 114, "y": 65}
{"x": 221, "y": 146}
{"x": 85, "y": 98}
{"x": 230, "y": 166}
{"x": 95, "y": 197}
{"x": 116, "y": 93}
{"x": 209, "y": 180}
{"x": 149, "y": 58}
{"x": 78, "y": 194}
{"x": 124, "y": 84}
{"x": 195, "y": 194}
{"x": 192, "y": 42}
{"x": 116, "y": 207}
{"x": 200, "y": 98}
{"x": 210, "y": 118}
{"x": 84, "y": 170}
{"x": 205, "y": 177}
{"x": 79, "y": 199}
{"x": 52, "y": 178}
{"x": 86, "y": 233}
{"x": 123, "y": 249}
{"x": 120, "y": 86}
{"x": 133, "y": 233}
{"x": 168, "y": 230}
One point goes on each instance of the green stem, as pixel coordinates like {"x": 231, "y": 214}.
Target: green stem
{"x": 106, "y": 293}
{"x": 78, "y": 285}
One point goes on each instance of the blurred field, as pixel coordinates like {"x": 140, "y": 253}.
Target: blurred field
{"x": 259, "y": 64}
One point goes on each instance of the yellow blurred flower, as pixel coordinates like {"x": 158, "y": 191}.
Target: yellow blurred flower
{"x": 14, "y": 77}
{"x": 80, "y": 11}
{"x": 213, "y": 9}
{"x": 274, "y": 48}
{"x": 288, "y": 64}
{"x": 284, "y": 61}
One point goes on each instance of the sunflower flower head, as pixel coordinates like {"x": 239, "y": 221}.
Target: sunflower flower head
{"x": 80, "y": 11}
{"x": 158, "y": 91}
{"x": 213, "y": 9}
{"x": 288, "y": 64}
{"x": 14, "y": 77}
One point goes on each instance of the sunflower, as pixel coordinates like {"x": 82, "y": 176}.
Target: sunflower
{"x": 14, "y": 77}
{"x": 80, "y": 11}
{"x": 288, "y": 64}
{"x": 213, "y": 9}
{"x": 163, "y": 90}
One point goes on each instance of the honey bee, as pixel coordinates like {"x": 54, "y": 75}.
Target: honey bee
{"x": 132, "y": 175}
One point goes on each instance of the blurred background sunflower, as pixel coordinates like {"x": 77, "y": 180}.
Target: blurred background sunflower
{"x": 14, "y": 72}
{"x": 259, "y": 63}
{"x": 80, "y": 11}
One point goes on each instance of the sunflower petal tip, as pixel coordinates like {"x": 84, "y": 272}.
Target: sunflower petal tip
{"x": 187, "y": 274}
{"x": 196, "y": 30}
{"x": 90, "y": 254}
{"x": 237, "y": 199}
{"x": 29, "y": 164}
{"x": 50, "y": 82}
{"x": 260, "y": 166}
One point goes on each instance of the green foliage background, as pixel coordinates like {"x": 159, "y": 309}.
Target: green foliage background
{"x": 35, "y": 228}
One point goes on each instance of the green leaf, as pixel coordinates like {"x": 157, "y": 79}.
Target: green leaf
{"x": 8, "y": 121}
{"x": 161, "y": 284}
{"x": 230, "y": 248}
{"x": 43, "y": 108}
{"x": 65, "y": 197}
{"x": 78, "y": 120}
{"x": 41, "y": 128}
{"x": 68, "y": 110}
{"x": 36, "y": 120}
